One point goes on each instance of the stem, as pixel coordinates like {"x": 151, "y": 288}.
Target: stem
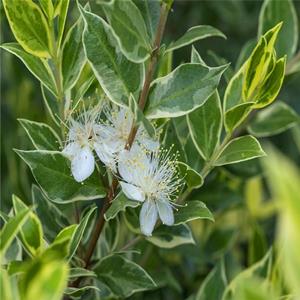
{"x": 230, "y": 135}
{"x": 150, "y": 71}
{"x": 100, "y": 223}
{"x": 58, "y": 80}
{"x": 209, "y": 164}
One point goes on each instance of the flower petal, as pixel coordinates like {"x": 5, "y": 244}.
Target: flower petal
{"x": 165, "y": 212}
{"x": 148, "y": 143}
{"x": 71, "y": 149}
{"x": 125, "y": 166}
{"x": 132, "y": 192}
{"x": 114, "y": 144}
{"x": 132, "y": 164}
{"x": 105, "y": 156}
{"x": 148, "y": 217}
{"x": 83, "y": 164}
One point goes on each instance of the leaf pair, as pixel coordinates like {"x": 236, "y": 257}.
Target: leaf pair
{"x": 256, "y": 84}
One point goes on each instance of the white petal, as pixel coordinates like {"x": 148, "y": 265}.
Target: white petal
{"x": 71, "y": 149}
{"x": 165, "y": 212}
{"x": 148, "y": 217}
{"x": 83, "y": 164}
{"x": 101, "y": 130}
{"x": 114, "y": 145}
{"x": 132, "y": 164}
{"x": 105, "y": 156}
{"x": 74, "y": 129}
{"x": 132, "y": 192}
{"x": 125, "y": 166}
{"x": 148, "y": 143}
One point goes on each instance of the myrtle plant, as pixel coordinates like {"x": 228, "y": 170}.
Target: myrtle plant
{"x": 132, "y": 144}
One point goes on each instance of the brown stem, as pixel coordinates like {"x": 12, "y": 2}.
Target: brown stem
{"x": 100, "y": 223}
{"x": 150, "y": 71}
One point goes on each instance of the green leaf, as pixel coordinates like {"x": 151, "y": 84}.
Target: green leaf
{"x": 65, "y": 233}
{"x": 42, "y": 136}
{"x": 37, "y": 66}
{"x": 272, "y": 84}
{"x": 214, "y": 284}
{"x": 261, "y": 269}
{"x": 31, "y": 233}
{"x": 120, "y": 203}
{"x": 76, "y": 293}
{"x": 240, "y": 149}
{"x": 73, "y": 57}
{"x": 123, "y": 276}
{"x": 219, "y": 60}
{"x": 273, "y": 12}
{"x": 234, "y": 90}
{"x": 171, "y": 236}
{"x": 191, "y": 176}
{"x": 193, "y": 158}
{"x": 81, "y": 272}
{"x": 48, "y": 8}
{"x": 129, "y": 29}
{"x": 13, "y": 253}
{"x": 193, "y": 210}
{"x": 11, "y": 228}
{"x": 255, "y": 288}
{"x": 283, "y": 178}
{"x": 6, "y": 292}
{"x": 52, "y": 172}
{"x": 273, "y": 120}
{"x": 84, "y": 82}
{"x": 17, "y": 267}
{"x": 194, "y": 34}
{"x": 117, "y": 76}
{"x": 292, "y": 67}
{"x": 47, "y": 212}
{"x": 61, "y": 246}
{"x": 150, "y": 11}
{"x": 171, "y": 140}
{"x": 236, "y": 115}
{"x": 140, "y": 117}
{"x": 165, "y": 64}
{"x": 51, "y": 103}
{"x": 260, "y": 63}
{"x": 245, "y": 52}
{"x": 45, "y": 281}
{"x": 80, "y": 230}
{"x": 196, "y": 57}
{"x": 183, "y": 90}
{"x": 61, "y": 10}
{"x": 205, "y": 125}
{"x": 29, "y": 26}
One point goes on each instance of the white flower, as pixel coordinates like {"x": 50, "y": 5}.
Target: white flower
{"x": 151, "y": 178}
{"x": 79, "y": 145}
{"x": 112, "y": 135}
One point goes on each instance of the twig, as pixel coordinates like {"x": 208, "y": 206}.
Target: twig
{"x": 100, "y": 223}
{"x": 150, "y": 71}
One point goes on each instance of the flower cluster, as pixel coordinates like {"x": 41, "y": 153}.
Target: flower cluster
{"x": 147, "y": 174}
